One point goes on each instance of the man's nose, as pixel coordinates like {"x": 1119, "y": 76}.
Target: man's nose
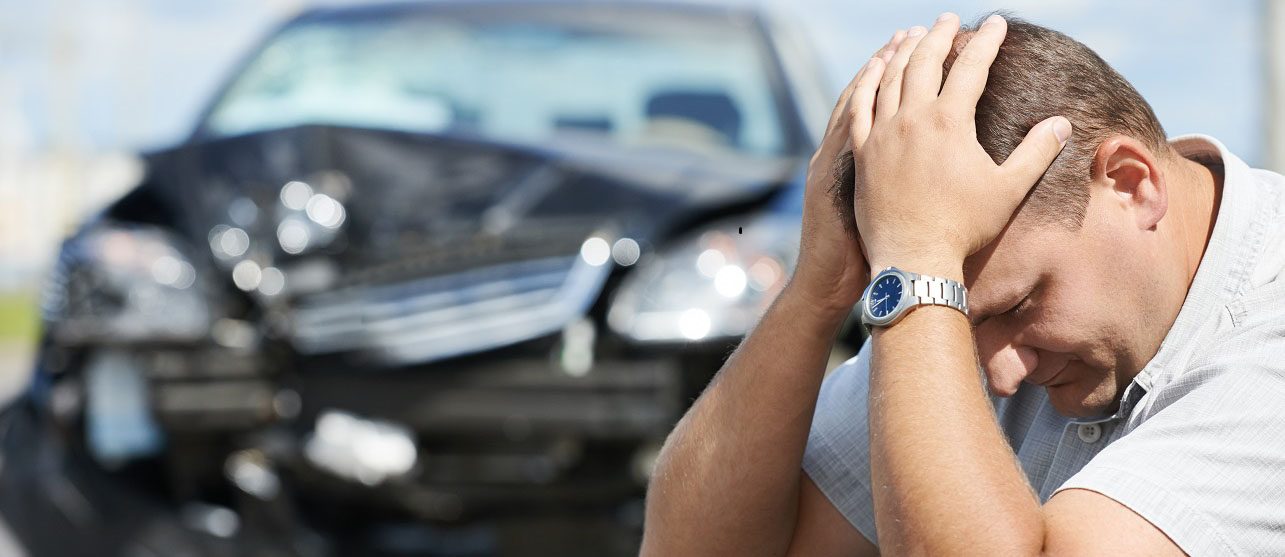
{"x": 1007, "y": 363}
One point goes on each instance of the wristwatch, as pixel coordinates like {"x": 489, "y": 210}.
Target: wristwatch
{"x": 894, "y": 292}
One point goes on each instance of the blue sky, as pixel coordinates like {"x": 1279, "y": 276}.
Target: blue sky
{"x": 135, "y": 72}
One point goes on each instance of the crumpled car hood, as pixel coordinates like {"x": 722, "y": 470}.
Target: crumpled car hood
{"x": 410, "y": 195}
{"x": 437, "y": 246}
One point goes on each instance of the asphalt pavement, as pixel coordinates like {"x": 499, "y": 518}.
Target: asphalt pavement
{"x": 15, "y": 370}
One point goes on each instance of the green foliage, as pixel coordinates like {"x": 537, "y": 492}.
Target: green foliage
{"x": 19, "y": 318}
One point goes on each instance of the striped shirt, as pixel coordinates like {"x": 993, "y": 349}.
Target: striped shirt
{"x": 1197, "y": 446}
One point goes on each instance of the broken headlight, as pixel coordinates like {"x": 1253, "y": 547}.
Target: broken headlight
{"x": 714, "y": 283}
{"x": 125, "y": 284}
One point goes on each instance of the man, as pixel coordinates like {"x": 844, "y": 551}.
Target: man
{"x": 1129, "y": 309}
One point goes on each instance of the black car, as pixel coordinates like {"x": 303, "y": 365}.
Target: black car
{"x": 425, "y": 279}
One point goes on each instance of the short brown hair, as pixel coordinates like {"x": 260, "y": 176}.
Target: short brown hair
{"x": 1040, "y": 73}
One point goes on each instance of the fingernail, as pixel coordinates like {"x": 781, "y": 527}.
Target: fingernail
{"x": 1062, "y": 130}
{"x": 993, "y": 19}
{"x": 915, "y": 31}
{"x": 945, "y": 16}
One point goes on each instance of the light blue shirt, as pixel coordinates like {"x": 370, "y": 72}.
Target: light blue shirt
{"x": 1197, "y": 446}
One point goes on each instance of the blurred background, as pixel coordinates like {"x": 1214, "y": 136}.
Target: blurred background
{"x": 87, "y": 84}
{"x": 312, "y": 289}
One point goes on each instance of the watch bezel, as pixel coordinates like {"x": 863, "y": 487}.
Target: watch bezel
{"x": 907, "y": 299}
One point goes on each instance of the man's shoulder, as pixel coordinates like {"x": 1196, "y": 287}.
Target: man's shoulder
{"x": 1243, "y": 364}
{"x": 1252, "y": 330}
{"x": 1267, "y": 177}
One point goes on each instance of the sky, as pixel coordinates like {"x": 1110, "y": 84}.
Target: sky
{"x": 1198, "y": 63}
{"x": 112, "y": 75}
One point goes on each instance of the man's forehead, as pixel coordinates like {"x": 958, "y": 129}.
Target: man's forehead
{"x": 994, "y": 258}
{"x": 1004, "y": 270}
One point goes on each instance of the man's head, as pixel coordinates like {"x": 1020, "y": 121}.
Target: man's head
{"x": 1080, "y": 290}
{"x": 1040, "y": 73}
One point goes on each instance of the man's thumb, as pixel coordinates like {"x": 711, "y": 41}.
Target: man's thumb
{"x": 1036, "y": 152}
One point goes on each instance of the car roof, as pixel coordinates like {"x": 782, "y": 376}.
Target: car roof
{"x": 642, "y": 8}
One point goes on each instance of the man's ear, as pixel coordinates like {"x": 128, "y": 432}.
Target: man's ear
{"x": 1131, "y": 172}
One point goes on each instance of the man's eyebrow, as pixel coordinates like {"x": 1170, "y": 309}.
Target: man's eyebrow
{"x": 842, "y": 190}
{"x": 975, "y": 318}
{"x": 975, "y": 313}
{"x": 1000, "y": 306}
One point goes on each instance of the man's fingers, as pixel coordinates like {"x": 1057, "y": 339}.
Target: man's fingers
{"x": 922, "y": 81}
{"x": 861, "y": 105}
{"x": 1036, "y": 152}
{"x": 839, "y": 114}
{"x": 891, "y": 48}
{"x": 885, "y": 52}
{"x": 889, "y": 97}
{"x": 968, "y": 74}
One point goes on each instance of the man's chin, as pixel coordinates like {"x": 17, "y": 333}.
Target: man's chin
{"x": 1071, "y": 400}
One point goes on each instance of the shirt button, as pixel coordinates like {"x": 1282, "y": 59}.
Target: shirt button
{"x": 1090, "y": 433}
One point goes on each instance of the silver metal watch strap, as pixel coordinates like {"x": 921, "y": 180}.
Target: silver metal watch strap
{"x": 939, "y": 291}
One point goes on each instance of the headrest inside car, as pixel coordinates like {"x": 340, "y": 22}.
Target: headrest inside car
{"x": 715, "y": 110}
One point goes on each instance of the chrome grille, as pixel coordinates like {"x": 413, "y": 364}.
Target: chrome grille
{"x": 449, "y": 315}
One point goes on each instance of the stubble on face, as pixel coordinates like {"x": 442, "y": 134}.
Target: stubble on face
{"x": 1087, "y": 305}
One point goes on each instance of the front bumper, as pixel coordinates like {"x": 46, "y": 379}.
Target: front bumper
{"x": 505, "y": 435}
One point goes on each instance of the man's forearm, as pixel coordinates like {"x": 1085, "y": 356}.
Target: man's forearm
{"x": 946, "y": 481}
{"x": 727, "y": 480}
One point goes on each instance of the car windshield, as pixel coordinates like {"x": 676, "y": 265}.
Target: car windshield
{"x": 702, "y": 84}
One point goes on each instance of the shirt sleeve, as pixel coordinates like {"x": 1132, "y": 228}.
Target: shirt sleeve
{"x": 1208, "y": 469}
{"x": 837, "y": 458}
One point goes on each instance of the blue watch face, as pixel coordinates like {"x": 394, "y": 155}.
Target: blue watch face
{"x": 885, "y": 295}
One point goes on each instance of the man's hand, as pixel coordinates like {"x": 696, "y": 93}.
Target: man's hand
{"x": 927, "y": 194}
{"x": 831, "y": 272}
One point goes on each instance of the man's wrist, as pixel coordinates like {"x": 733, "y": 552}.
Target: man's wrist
{"x": 944, "y": 267}
{"x": 827, "y": 313}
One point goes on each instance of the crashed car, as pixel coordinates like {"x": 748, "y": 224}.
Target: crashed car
{"x": 425, "y": 279}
